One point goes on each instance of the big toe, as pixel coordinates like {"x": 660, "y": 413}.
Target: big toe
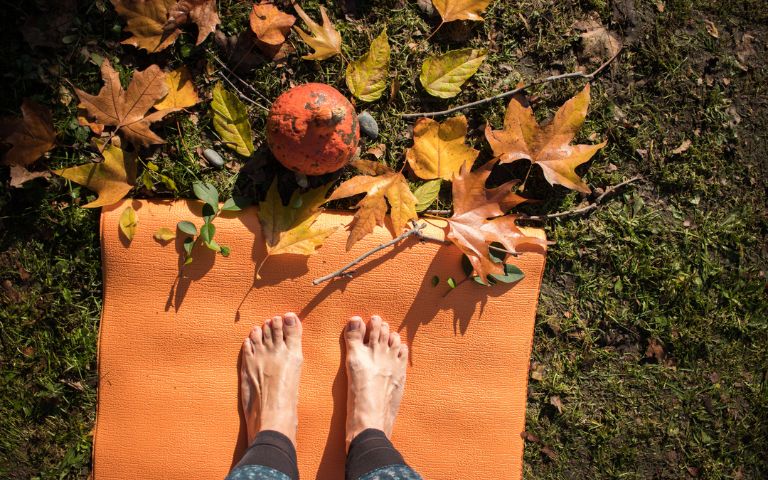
{"x": 355, "y": 331}
{"x": 292, "y": 329}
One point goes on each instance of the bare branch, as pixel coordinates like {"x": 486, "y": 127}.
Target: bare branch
{"x": 587, "y": 76}
{"x": 241, "y": 94}
{"x": 585, "y": 209}
{"x": 344, "y": 271}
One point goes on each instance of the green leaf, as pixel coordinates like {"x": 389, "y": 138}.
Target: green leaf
{"x": 443, "y": 75}
{"x": 367, "y": 76}
{"x": 230, "y": 119}
{"x": 236, "y": 203}
{"x": 187, "y": 227}
{"x": 512, "y": 274}
{"x": 207, "y": 231}
{"x": 207, "y": 193}
{"x": 213, "y": 245}
{"x": 189, "y": 242}
{"x": 224, "y": 251}
{"x": 128, "y": 222}
{"x": 426, "y": 194}
{"x": 451, "y": 282}
{"x": 151, "y": 166}
{"x": 163, "y": 234}
{"x": 435, "y": 281}
{"x": 169, "y": 183}
{"x": 188, "y": 260}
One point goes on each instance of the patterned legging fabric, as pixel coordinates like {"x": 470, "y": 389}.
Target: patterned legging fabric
{"x": 371, "y": 456}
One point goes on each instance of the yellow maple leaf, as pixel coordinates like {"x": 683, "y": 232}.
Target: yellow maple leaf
{"x": 381, "y": 184}
{"x": 367, "y": 76}
{"x": 439, "y": 149}
{"x": 112, "y": 178}
{"x": 181, "y": 90}
{"x": 290, "y": 229}
{"x": 548, "y": 146}
{"x": 146, "y": 20}
{"x": 324, "y": 39}
{"x": 450, "y": 10}
{"x": 126, "y": 110}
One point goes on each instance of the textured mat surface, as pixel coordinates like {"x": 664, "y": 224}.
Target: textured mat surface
{"x": 168, "y": 350}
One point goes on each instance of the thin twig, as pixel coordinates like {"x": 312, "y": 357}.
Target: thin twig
{"x": 416, "y": 230}
{"x": 241, "y": 94}
{"x": 438, "y": 212}
{"x": 587, "y": 76}
{"x": 586, "y": 209}
{"x": 248, "y": 85}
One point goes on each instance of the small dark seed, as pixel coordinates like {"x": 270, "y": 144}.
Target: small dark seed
{"x": 368, "y": 125}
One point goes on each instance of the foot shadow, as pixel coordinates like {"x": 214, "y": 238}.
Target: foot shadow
{"x": 335, "y": 445}
{"x": 242, "y": 435}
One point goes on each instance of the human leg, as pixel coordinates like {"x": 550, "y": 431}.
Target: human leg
{"x": 376, "y": 366}
{"x": 269, "y": 384}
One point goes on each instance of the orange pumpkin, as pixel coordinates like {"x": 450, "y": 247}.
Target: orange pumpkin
{"x": 313, "y": 129}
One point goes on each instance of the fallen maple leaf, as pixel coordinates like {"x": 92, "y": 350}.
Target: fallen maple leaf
{"x": 325, "y": 40}
{"x": 112, "y": 178}
{"x": 270, "y": 24}
{"x": 200, "y": 12}
{"x": 439, "y": 149}
{"x": 378, "y": 182}
{"x": 181, "y": 90}
{"x": 230, "y": 119}
{"x": 30, "y": 137}
{"x": 478, "y": 219}
{"x": 126, "y": 110}
{"x": 290, "y": 228}
{"x": 460, "y": 9}
{"x": 549, "y": 146}
{"x": 367, "y": 76}
{"x": 443, "y": 75}
{"x": 146, "y": 20}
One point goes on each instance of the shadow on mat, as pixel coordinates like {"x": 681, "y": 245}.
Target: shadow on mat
{"x": 204, "y": 257}
{"x": 335, "y": 445}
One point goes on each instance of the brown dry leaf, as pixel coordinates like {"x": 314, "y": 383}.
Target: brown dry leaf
{"x": 29, "y": 137}
{"x": 599, "y": 44}
{"x": 556, "y": 402}
{"x": 290, "y": 229}
{"x": 146, "y": 21}
{"x": 548, "y": 146}
{"x": 126, "y": 110}
{"x": 478, "y": 219}
{"x": 711, "y": 28}
{"x": 200, "y": 12}
{"x": 112, "y": 178}
{"x": 378, "y": 182}
{"x": 181, "y": 90}
{"x": 439, "y": 149}
{"x": 20, "y": 175}
{"x": 682, "y": 147}
{"x": 270, "y": 24}
{"x": 324, "y": 39}
{"x": 460, "y": 9}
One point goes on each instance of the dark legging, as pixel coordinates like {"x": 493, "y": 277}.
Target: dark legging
{"x": 371, "y": 455}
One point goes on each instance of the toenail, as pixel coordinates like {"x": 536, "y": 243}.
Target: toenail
{"x": 354, "y": 325}
{"x": 290, "y": 320}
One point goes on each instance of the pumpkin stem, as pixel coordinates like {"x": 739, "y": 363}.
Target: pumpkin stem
{"x": 326, "y": 115}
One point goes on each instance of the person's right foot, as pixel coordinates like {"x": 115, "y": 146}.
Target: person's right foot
{"x": 375, "y": 376}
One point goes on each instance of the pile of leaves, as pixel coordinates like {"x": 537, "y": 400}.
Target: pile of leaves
{"x": 120, "y": 121}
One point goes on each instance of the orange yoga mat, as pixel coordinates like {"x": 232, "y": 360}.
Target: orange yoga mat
{"x": 168, "y": 404}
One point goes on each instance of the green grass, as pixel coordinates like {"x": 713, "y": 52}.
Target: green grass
{"x": 678, "y": 261}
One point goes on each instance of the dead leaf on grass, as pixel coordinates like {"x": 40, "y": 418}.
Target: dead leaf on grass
{"x": 200, "y": 12}
{"x": 682, "y": 148}
{"x": 325, "y": 40}
{"x": 270, "y": 24}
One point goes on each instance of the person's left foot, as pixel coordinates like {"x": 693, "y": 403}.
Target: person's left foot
{"x": 269, "y": 376}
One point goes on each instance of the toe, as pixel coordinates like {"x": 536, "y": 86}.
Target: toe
{"x": 267, "y": 336}
{"x": 277, "y": 330}
{"x": 292, "y": 328}
{"x": 255, "y": 336}
{"x": 355, "y": 331}
{"x": 403, "y": 355}
{"x": 394, "y": 341}
{"x": 375, "y": 328}
{"x": 247, "y": 347}
{"x": 384, "y": 335}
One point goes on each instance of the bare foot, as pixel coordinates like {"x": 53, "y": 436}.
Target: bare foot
{"x": 375, "y": 376}
{"x": 269, "y": 377}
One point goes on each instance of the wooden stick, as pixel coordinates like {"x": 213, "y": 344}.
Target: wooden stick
{"x": 586, "y": 209}
{"x": 588, "y": 76}
{"x": 416, "y": 230}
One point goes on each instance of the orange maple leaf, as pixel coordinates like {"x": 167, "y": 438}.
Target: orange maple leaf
{"x": 479, "y": 219}
{"x": 548, "y": 146}
{"x": 270, "y": 24}
{"x": 126, "y": 110}
{"x": 378, "y": 183}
